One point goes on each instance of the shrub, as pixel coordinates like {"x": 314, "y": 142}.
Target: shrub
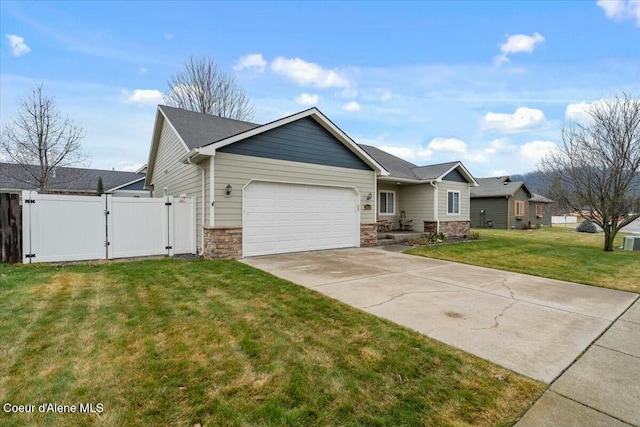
{"x": 474, "y": 235}
{"x": 586, "y": 226}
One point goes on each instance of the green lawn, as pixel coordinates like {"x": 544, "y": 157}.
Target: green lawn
{"x": 167, "y": 342}
{"x": 554, "y": 252}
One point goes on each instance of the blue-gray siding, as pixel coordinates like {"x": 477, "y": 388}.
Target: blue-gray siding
{"x": 302, "y": 141}
{"x": 455, "y": 176}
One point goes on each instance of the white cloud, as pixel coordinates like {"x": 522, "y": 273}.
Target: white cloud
{"x": 453, "y": 145}
{"x": 620, "y": 10}
{"x": 307, "y": 73}
{"x": 168, "y": 36}
{"x": 500, "y": 145}
{"x": 142, "y": 96}
{"x": 351, "y": 106}
{"x": 307, "y": 99}
{"x": 143, "y": 70}
{"x": 18, "y": 46}
{"x": 517, "y": 43}
{"x": 580, "y": 112}
{"x": 523, "y": 119}
{"x": 499, "y": 172}
{"x": 536, "y": 150}
{"x": 254, "y": 61}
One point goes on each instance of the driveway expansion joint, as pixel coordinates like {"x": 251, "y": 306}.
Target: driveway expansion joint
{"x": 615, "y": 350}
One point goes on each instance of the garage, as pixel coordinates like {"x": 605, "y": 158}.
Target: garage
{"x": 286, "y": 217}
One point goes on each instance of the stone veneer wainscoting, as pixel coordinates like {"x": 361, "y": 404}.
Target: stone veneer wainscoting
{"x": 222, "y": 242}
{"x": 368, "y": 234}
{"x": 457, "y": 229}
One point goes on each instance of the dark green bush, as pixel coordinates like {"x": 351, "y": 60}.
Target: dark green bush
{"x": 586, "y": 226}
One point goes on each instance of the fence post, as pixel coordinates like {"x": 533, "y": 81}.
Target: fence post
{"x": 108, "y": 226}
{"x": 26, "y": 226}
{"x": 168, "y": 223}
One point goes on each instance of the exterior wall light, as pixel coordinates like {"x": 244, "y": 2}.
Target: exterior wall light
{"x": 369, "y": 196}
{"x": 228, "y": 189}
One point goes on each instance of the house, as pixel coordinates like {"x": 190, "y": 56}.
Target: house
{"x": 77, "y": 181}
{"x": 435, "y": 198}
{"x": 295, "y": 184}
{"x": 498, "y": 202}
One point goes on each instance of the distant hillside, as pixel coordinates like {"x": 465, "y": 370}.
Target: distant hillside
{"x": 537, "y": 182}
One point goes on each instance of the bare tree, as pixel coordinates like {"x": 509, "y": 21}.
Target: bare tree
{"x": 201, "y": 86}
{"x": 597, "y": 169}
{"x": 39, "y": 139}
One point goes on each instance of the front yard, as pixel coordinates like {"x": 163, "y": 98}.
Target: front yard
{"x": 168, "y": 342}
{"x": 555, "y": 252}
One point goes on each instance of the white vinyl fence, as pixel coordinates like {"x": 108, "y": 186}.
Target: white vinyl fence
{"x": 564, "y": 219}
{"x": 77, "y": 228}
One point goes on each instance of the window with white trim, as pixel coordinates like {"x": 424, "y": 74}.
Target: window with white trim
{"x": 387, "y": 203}
{"x": 453, "y": 203}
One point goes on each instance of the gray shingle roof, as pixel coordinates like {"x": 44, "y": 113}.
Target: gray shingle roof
{"x": 540, "y": 199}
{"x": 497, "y": 187}
{"x": 198, "y": 129}
{"x": 15, "y": 177}
{"x": 431, "y": 172}
{"x": 399, "y": 168}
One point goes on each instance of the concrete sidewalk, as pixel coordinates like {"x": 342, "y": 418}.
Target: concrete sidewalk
{"x": 602, "y": 388}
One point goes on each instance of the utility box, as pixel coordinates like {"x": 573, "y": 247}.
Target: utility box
{"x": 631, "y": 243}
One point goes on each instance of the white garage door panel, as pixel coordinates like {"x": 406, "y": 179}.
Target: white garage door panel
{"x": 280, "y": 218}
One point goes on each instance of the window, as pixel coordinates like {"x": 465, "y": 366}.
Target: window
{"x": 518, "y": 208}
{"x": 387, "y": 202}
{"x": 453, "y": 202}
{"x": 539, "y": 211}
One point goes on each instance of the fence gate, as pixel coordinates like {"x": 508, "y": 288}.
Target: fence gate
{"x": 77, "y": 228}
{"x": 10, "y": 228}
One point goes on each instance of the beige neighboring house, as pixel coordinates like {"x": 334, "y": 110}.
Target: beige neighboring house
{"x": 295, "y": 184}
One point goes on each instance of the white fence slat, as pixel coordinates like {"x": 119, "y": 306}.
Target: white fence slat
{"x": 66, "y": 228}
{"x": 137, "y": 227}
{"x": 184, "y": 228}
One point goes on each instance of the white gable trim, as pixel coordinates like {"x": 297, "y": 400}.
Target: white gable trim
{"x": 127, "y": 183}
{"x": 155, "y": 141}
{"x": 465, "y": 172}
{"x": 209, "y": 150}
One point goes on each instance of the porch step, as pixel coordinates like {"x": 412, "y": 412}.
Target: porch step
{"x": 382, "y": 242}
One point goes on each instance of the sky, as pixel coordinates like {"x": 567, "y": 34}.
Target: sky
{"x": 488, "y": 83}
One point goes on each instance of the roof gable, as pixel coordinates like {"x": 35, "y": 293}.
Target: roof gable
{"x": 404, "y": 170}
{"x": 313, "y": 113}
{"x": 498, "y": 187}
{"x": 303, "y": 140}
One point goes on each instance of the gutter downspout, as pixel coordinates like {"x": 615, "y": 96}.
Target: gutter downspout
{"x": 435, "y": 205}
{"x": 204, "y": 205}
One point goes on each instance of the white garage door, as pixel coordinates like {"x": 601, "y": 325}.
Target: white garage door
{"x": 279, "y": 218}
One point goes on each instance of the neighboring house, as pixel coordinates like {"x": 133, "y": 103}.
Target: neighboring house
{"x": 298, "y": 183}
{"x": 78, "y": 181}
{"x": 434, "y": 197}
{"x": 498, "y": 202}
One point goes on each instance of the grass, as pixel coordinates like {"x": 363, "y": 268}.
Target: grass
{"x": 167, "y": 342}
{"x": 555, "y": 252}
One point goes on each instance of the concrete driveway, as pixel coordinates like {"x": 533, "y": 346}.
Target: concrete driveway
{"x": 531, "y": 325}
